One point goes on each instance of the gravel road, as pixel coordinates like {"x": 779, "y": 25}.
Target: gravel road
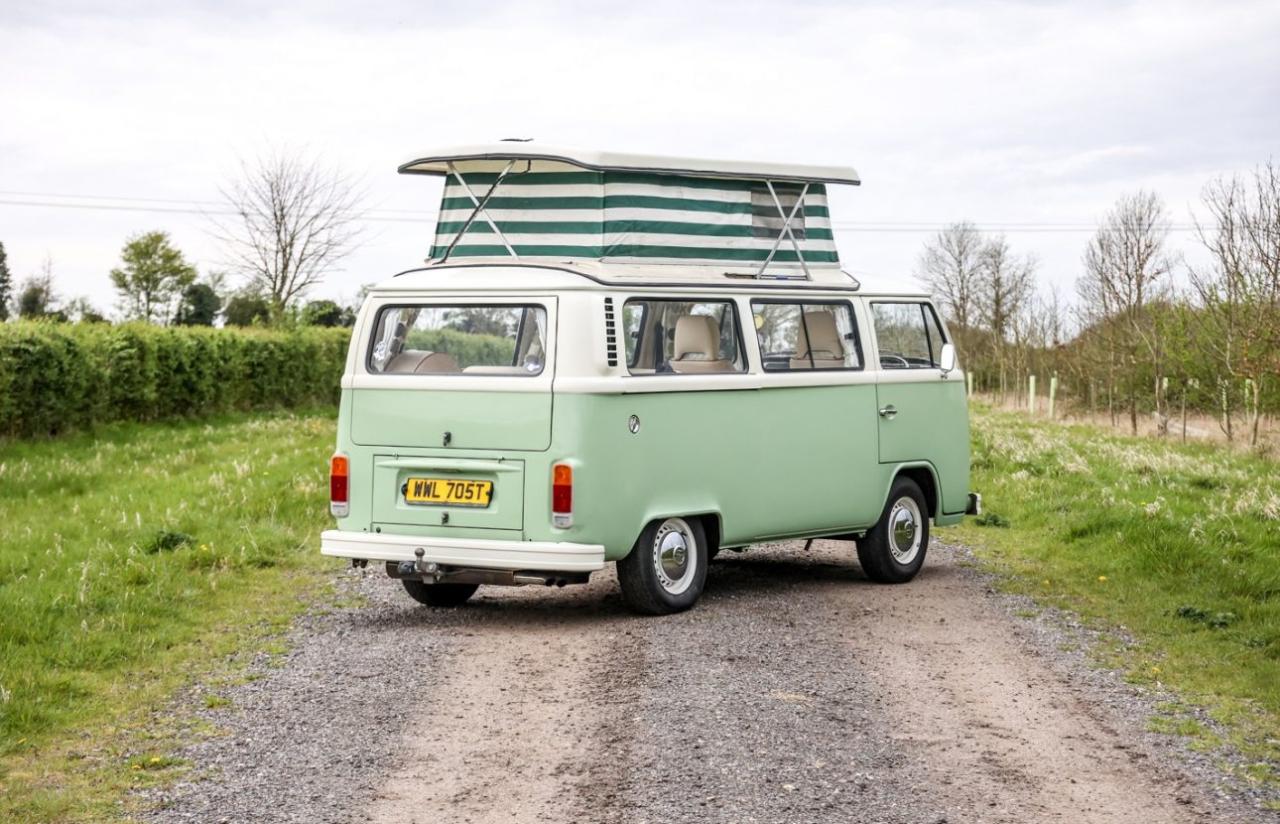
{"x": 795, "y": 692}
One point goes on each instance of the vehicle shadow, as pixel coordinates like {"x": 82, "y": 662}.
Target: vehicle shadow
{"x": 759, "y": 571}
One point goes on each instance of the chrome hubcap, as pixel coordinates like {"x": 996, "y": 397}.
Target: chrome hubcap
{"x": 904, "y": 530}
{"x": 674, "y": 555}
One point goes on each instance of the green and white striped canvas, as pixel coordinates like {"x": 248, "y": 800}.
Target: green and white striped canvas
{"x": 645, "y": 217}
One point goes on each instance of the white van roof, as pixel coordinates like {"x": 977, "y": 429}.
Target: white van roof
{"x": 436, "y": 162}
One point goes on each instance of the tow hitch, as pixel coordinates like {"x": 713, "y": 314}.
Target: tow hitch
{"x": 419, "y": 568}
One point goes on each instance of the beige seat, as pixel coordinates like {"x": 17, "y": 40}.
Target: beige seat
{"x": 697, "y": 346}
{"x": 819, "y": 338}
{"x": 416, "y": 361}
{"x": 437, "y": 362}
{"x": 406, "y": 362}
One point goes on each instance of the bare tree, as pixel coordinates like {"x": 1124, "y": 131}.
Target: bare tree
{"x": 1005, "y": 283}
{"x": 1125, "y": 269}
{"x": 295, "y": 221}
{"x": 950, "y": 266}
{"x": 1240, "y": 291}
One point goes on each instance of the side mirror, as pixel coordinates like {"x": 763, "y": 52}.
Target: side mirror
{"x": 947, "y": 360}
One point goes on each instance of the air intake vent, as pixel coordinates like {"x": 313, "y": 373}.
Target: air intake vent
{"x": 610, "y": 333}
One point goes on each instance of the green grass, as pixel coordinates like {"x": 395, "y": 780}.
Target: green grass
{"x": 132, "y": 562}
{"x": 144, "y": 558}
{"x": 1177, "y": 546}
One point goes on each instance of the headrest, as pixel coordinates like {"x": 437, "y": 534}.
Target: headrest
{"x": 697, "y": 338}
{"x": 822, "y": 339}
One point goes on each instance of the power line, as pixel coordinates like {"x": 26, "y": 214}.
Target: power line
{"x": 113, "y": 207}
{"x": 186, "y": 201}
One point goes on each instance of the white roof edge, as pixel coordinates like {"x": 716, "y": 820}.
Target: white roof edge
{"x": 596, "y": 275}
{"x": 435, "y": 161}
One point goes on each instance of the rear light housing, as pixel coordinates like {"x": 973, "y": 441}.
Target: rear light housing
{"x": 339, "y": 486}
{"x": 562, "y": 496}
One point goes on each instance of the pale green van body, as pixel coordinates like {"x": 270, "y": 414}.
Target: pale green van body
{"x": 762, "y": 456}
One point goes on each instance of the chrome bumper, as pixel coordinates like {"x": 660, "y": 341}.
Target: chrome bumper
{"x": 464, "y": 552}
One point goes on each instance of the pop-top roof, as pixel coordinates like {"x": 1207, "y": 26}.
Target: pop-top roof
{"x": 524, "y": 200}
{"x": 549, "y": 158}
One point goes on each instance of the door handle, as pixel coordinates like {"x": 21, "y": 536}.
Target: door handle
{"x": 887, "y": 412}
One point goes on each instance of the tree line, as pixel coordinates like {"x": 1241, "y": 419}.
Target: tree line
{"x": 1146, "y": 333}
{"x": 292, "y": 221}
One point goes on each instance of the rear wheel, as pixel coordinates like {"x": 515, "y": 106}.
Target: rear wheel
{"x": 893, "y": 551}
{"x": 667, "y": 568}
{"x": 439, "y": 595}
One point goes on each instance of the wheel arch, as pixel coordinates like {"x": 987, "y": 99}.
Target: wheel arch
{"x": 709, "y": 519}
{"x": 925, "y": 476}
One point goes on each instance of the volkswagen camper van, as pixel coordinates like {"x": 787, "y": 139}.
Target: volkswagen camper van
{"x": 640, "y": 361}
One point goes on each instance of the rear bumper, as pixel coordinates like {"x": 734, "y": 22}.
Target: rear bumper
{"x": 464, "y": 552}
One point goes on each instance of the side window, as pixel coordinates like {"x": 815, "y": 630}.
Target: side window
{"x": 668, "y": 336}
{"x": 804, "y": 336}
{"x": 908, "y": 335}
{"x": 765, "y": 220}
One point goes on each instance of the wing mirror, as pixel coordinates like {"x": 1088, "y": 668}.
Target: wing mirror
{"x": 947, "y": 360}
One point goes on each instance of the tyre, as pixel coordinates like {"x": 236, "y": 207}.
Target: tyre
{"x": 893, "y": 551}
{"x": 439, "y": 595}
{"x": 667, "y": 568}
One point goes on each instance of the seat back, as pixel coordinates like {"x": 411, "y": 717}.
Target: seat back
{"x": 697, "y": 346}
{"x": 818, "y": 337}
{"x": 416, "y": 361}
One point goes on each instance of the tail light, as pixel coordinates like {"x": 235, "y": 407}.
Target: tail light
{"x": 562, "y": 495}
{"x": 339, "y": 472}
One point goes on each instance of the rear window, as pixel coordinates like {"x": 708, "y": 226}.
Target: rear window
{"x": 459, "y": 339}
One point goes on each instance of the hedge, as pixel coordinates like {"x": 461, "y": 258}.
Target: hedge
{"x": 56, "y": 377}
{"x": 468, "y": 348}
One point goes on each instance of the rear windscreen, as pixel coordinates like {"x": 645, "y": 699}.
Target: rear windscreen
{"x": 461, "y": 339}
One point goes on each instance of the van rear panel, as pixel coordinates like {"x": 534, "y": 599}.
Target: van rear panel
{"x": 459, "y": 419}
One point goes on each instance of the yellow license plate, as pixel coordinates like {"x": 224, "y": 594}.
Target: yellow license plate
{"x": 448, "y": 492}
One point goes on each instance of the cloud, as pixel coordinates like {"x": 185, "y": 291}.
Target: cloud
{"x": 997, "y": 111}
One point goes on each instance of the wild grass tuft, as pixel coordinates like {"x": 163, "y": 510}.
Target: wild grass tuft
{"x": 130, "y": 561}
{"x": 1178, "y": 544}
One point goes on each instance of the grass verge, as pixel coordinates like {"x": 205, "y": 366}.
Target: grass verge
{"x": 131, "y": 562}
{"x": 1176, "y": 545}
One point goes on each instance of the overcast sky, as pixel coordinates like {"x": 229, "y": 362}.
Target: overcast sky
{"x": 1025, "y": 117}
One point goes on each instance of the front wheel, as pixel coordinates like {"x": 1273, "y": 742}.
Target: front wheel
{"x": 439, "y": 595}
{"x": 667, "y": 568}
{"x": 893, "y": 551}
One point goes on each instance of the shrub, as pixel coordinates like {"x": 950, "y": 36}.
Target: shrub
{"x": 468, "y": 348}
{"x": 57, "y": 377}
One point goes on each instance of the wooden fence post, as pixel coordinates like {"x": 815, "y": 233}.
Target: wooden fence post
{"x": 1031, "y": 394}
{"x": 1053, "y": 394}
{"x": 969, "y": 379}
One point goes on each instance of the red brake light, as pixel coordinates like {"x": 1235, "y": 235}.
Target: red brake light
{"x": 339, "y": 471}
{"x": 562, "y": 495}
